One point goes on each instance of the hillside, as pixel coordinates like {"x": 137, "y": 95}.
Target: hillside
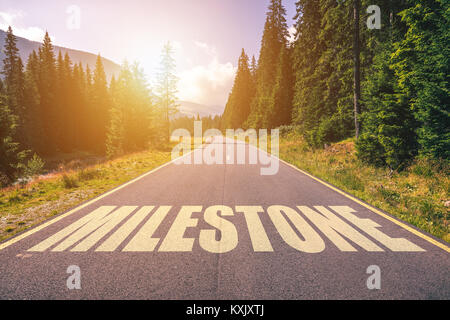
{"x": 192, "y": 109}
{"x": 26, "y": 47}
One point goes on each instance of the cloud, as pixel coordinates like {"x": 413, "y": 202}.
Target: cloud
{"x": 13, "y": 18}
{"x": 208, "y": 84}
{"x": 209, "y": 50}
{"x": 292, "y": 34}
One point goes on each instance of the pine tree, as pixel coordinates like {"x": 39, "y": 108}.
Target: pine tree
{"x": 31, "y": 115}
{"x": 82, "y": 116}
{"x": 10, "y": 70}
{"x": 282, "y": 96}
{"x": 238, "y": 106}
{"x": 167, "y": 87}
{"x": 308, "y": 48}
{"x": 388, "y": 137}
{"x": 423, "y": 69}
{"x": 324, "y": 94}
{"x": 388, "y": 126}
{"x": 131, "y": 125}
{"x": 14, "y": 83}
{"x": 115, "y": 135}
{"x": 101, "y": 105}
{"x": 274, "y": 38}
{"x": 11, "y": 158}
{"x": 61, "y": 112}
{"x": 254, "y": 68}
{"x": 48, "y": 105}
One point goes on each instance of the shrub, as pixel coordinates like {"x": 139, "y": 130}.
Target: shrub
{"x": 88, "y": 174}
{"x": 69, "y": 182}
{"x": 34, "y": 166}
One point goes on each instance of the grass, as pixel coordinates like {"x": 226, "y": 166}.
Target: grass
{"x": 417, "y": 195}
{"x": 22, "y": 207}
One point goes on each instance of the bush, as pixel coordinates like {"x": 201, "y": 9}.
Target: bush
{"x": 370, "y": 151}
{"x": 88, "y": 174}
{"x": 287, "y": 130}
{"x": 4, "y": 180}
{"x": 34, "y": 166}
{"x": 330, "y": 130}
{"x": 69, "y": 182}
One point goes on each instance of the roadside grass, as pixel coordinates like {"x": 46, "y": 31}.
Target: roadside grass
{"x": 417, "y": 195}
{"x": 23, "y": 206}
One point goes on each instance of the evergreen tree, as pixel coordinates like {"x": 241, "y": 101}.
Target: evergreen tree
{"x": 324, "y": 65}
{"x": 115, "y": 134}
{"x": 282, "y": 96}
{"x": 388, "y": 137}
{"x": 274, "y": 38}
{"x": 131, "y": 125}
{"x": 11, "y": 158}
{"x": 101, "y": 105}
{"x": 388, "y": 126}
{"x": 423, "y": 69}
{"x": 167, "y": 87}
{"x": 238, "y": 106}
{"x": 254, "y": 68}
{"x": 61, "y": 110}
{"x": 48, "y": 103}
{"x": 31, "y": 115}
{"x": 308, "y": 48}
{"x": 11, "y": 70}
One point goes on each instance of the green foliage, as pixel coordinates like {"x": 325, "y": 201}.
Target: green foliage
{"x": 55, "y": 106}
{"x": 323, "y": 63}
{"x": 132, "y": 115}
{"x": 389, "y": 137}
{"x": 166, "y": 89}
{"x": 406, "y": 94}
{"x": 263, "y": 108}
{"x": 423, "y": 70}
{"x": 280, "y": 110}
{"x": 89, "y": 174}
{"x": 34, "y": 166}
{"x": 69, "y": 182}
{"x": 238, "y": 106}
{"x": 114, "y": 143}
{"x": 11, "y": 158}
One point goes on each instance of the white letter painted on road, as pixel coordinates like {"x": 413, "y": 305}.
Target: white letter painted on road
{"x": 114, "y": 241}
{"x": 143, "y": 241}
{"x": 370, "y": 227}
{"x": 229, "y": 235}
{"x": 93, "y": 216}
{"x": 175, "y": 241}
{"x": 312, "y": 242}
{"x": 258, "y": 235}
{"x": 96, "y": 230}
{"x": 333, "y": 228}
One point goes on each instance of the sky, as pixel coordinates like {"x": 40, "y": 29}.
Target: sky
{"x": 208, "y": 35}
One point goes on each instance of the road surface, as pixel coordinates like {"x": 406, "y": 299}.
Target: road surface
{"x": 224, "y": 231}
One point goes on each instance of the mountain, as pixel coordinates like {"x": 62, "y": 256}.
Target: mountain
{"x": 192, "y": 109}
{"x": 26, "y": 47}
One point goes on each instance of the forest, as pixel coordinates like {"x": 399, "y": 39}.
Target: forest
{"x": 308, "y": 84}
{"x": 51, "y": 106}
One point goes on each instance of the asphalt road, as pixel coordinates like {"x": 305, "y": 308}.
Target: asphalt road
{"x": 224, "y": 231}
